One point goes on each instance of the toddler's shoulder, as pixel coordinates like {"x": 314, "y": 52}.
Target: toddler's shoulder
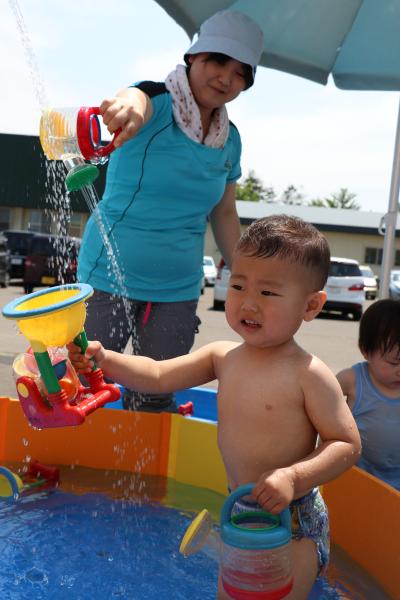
{"x": 314, "y": 369}
{"x": 224, "y": 347}
{"x": 347, "y": 380}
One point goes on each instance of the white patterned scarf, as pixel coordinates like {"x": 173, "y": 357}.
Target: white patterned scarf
{"x": 187, "y": 113}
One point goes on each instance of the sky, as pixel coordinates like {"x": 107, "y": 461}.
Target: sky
{"x": 294, "y": 132}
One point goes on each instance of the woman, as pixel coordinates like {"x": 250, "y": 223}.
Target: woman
{"x": 177, "y": 164}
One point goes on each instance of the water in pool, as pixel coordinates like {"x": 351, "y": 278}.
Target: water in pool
{"x": 118, "y": 541}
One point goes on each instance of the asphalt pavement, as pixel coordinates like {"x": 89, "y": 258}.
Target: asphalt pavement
{"x": 332, "y": 338}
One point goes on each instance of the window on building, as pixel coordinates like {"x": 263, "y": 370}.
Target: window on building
{"x": 75, "y": 225}
{"x": 39, "y": 221}
{"x": 397, "y": 258}
{"x": 4, "y": 218}
{"x": 373, "y": 256}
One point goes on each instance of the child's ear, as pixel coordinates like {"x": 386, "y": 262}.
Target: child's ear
{"x": 315, "y": 303}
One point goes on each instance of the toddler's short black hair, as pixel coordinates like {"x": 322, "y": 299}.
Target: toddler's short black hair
{"x": 289, "y": 238}
{"x": 380, "y": 327}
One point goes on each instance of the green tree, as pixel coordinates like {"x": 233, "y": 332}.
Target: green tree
{"x": 291, "y": 195}
{"x": 341, "y": 199}
{"x": 252, "y": 189}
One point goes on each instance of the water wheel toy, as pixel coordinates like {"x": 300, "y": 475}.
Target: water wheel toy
{"x": 54, "y": 317}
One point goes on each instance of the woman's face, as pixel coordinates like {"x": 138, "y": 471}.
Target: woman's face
{"x": 214, "y": 84}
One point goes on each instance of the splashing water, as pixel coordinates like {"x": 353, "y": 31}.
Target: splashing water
{"x": 116, "y": 275}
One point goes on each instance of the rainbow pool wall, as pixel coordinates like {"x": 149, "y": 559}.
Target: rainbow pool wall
{"x": 364, "y": 512}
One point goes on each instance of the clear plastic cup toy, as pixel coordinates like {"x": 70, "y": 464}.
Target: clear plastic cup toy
{"x": 254, "y": 549}
{"x": 256, "y": 561}
{"x": 73, "y": 135}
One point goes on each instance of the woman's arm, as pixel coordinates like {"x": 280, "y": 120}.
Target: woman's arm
{"x": 129, "y": 110}
{"x": 225, "y": 223}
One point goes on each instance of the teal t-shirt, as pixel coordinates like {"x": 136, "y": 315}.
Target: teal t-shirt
{"x": 160, "y": 188}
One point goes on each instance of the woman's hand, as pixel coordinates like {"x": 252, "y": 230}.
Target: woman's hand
{"x": 128, "y": 111}
{"x": 83, "y": 363}
{"x": 274, "y": 490}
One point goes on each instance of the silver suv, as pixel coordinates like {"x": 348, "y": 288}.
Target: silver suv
{"x": 345, "y": 287}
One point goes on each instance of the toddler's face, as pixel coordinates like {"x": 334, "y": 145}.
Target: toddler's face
{"x": 385, "y": 369}
{"x": 267, "y": 299}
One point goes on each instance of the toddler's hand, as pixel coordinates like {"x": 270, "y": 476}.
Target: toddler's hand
{"x": 120, "y": 112}
{"x": 274, "y": 490}
{"x": 83, "y": 363}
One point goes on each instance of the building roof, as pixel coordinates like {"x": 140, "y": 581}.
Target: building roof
{"x": 326, "y": 219}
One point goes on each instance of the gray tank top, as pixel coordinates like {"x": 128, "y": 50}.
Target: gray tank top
{"x": 378, "y": 420}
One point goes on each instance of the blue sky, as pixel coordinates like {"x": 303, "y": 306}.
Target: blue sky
{"x": 293, "y": 131}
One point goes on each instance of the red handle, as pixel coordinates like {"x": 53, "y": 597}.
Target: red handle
{"x": 89, "y": 134}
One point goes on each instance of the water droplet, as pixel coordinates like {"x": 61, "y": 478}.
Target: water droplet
{"x": 36, "y": 576}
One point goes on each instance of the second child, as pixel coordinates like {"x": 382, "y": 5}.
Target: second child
{"x": 372, "y": 389}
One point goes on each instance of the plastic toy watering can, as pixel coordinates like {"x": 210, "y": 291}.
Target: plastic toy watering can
{"x": 73, "y": 135}
{"x": 55, "y": 317}
{"x": 254, "y": 549}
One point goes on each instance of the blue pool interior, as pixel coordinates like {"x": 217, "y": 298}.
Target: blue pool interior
{"x": 203, "y": 399}
{"x": 103, "y": 534}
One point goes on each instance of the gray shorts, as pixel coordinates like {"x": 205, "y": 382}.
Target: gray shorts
{"x": 162, "y": 330}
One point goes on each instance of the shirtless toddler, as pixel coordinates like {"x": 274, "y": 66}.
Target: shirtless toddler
{"x": 274, "y": 398}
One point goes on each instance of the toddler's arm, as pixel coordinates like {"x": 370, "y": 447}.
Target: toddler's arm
{"x": 147, "y": 375}
{"x": 129, "y": 110}
{"x": 338, "y": 450}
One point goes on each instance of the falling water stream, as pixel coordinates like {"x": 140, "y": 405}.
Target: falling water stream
{"x": 57, "y": 198}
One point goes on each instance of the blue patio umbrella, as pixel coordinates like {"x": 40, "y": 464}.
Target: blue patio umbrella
{"x": 357, "y": 42}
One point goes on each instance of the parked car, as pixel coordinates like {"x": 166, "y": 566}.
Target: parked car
{"x": 210, "y": 270}
{"x": 345, "y": 287}
{"x": 18, "y": 244}
{"x": 221, "y": 285}
{"x": 51, "y": 260}
{"x": 394, "y": 285}
{"x": 4, "y": 262}
{"x": 370, "y": 282}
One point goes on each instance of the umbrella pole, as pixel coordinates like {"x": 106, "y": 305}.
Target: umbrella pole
{"x": 390, "y": 219}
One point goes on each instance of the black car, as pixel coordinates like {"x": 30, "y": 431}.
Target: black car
{"x": 51, "y": 260}
{"x": 18, "y": 244}
{"x": 4, "y": 262}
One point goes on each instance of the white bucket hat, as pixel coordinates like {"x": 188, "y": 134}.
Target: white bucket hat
{"x": 233, "y": 34}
